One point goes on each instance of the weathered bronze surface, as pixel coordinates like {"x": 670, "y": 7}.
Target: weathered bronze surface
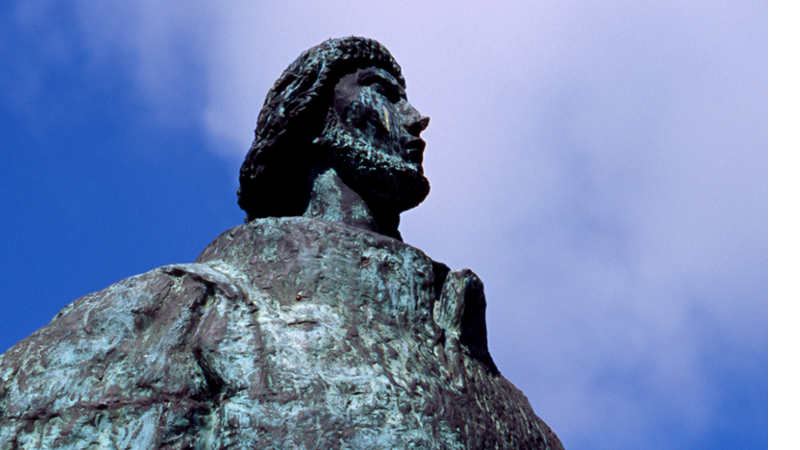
{"x": 311, "y": 326}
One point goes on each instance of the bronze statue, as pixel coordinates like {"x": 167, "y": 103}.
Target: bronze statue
{"x": 311, "y": 326}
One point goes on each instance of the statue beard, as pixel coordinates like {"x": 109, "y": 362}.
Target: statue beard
{"x": 384, "y": 182}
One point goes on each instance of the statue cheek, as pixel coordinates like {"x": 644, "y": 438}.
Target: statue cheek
{"x": 366, "y": 121}
{"x": 386, "y": 119}
{"x": 354, "y": 114}
{"x": 377, "y": 118}
{"x": 379, "y": 124}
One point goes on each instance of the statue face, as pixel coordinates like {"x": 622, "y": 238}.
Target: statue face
{"x": 377, "y": 139}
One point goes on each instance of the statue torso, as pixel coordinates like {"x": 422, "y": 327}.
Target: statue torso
{"x": 285, "y": 333}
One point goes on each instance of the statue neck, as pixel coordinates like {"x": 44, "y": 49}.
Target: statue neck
{"x": 331, "y": 199}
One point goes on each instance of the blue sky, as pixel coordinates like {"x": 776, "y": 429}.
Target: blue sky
{"x": 602, "y": 167}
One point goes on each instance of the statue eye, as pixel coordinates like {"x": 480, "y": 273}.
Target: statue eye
{"x": 379, "y": 88}
{"x": 390, "y": 92}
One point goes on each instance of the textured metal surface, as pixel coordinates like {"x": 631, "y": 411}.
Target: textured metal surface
{"x": 286, "y": 333}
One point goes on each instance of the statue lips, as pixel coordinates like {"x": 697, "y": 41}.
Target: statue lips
{"x": 414, "y": 150}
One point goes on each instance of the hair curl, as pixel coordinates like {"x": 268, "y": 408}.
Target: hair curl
{"x": 273, "y": 180}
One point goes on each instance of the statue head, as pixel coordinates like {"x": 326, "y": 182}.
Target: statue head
{"x": 340, "y": 105}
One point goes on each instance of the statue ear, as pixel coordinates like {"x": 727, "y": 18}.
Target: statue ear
{"x": 321, "y": 150}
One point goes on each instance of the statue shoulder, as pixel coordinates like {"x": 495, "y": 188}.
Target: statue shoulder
{"x": 111, "y": 346}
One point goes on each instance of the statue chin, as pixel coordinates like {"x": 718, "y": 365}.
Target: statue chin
{"x": 408, "y": 191}
{"x": 385, "y": 183}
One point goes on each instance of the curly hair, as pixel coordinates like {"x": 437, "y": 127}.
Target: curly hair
{"x": 273, "y": 180}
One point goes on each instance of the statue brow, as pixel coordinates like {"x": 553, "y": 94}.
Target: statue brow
{"x": 388, "y": 81}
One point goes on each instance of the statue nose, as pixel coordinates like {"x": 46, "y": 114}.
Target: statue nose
{"x": 418, "y": 124}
